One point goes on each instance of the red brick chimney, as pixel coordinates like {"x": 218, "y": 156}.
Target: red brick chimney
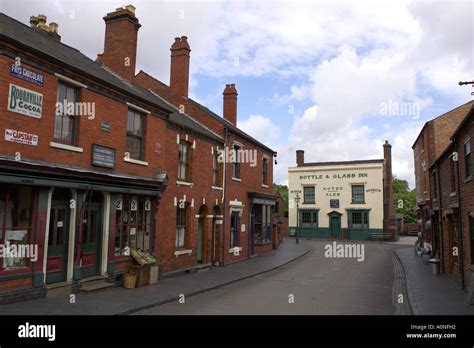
{"x": 120, "y": 45}
{"x": 179, "y": 72}
{"x": 299, "y": 158}
{"x": 230, "y": 104}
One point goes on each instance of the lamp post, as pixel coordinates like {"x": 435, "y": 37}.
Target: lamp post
{"x": 297, "y": 201}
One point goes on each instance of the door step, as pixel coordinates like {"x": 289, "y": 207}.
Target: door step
{"x": 204, "y": 267}
{"x": 56, "y": 290}
{"x": 94, "y": 283}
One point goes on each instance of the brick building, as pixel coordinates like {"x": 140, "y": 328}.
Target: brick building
{"x": 247, "y": 196}
{"x": 127, "y": 166}
{"x": 82, "y": 187}
{"x": 428, "y": 146}
{"x": 452, "y": 192}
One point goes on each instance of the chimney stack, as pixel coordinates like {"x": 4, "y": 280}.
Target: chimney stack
{"x": 179, "y": 71}
{"x": 389, "y": 200}
{"x": 299, "y": 158}
{"x": 120, "y": 44}
{"x": 230, "y": 104}
{"x": 39, "y": 23}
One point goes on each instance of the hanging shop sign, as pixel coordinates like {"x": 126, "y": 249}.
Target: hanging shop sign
{"x": 103, "y": 156}
{"x": 25, "y": 101}
{"x": 26, "y": 74}
{"x": 21, "y": 137}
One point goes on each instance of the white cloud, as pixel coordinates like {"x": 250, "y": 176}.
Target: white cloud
{"x": 261, "y": 128}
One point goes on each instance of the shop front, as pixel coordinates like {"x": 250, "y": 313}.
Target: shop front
{"x": 67, "y": 226}
{"x": 262, "y": 207}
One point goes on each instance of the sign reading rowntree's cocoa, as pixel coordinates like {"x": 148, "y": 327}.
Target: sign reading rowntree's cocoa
{"x": 25, "y": 101}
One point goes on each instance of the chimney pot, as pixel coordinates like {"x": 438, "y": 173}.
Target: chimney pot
{"x": 131, "y": 8}
{"x": 53, "y": 27}
{"x": 33, "y": 21}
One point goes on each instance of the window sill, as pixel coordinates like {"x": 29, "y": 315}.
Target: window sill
{"x": 66, "y": 147}
{"x": 236, "y": 179}
{"x": 358, "y": 202}
{"x": 134, "y": 161}
{"x": 469, "y": 178}
{"x": 216, "y": 188}
{"x": 452, "y": 194}
{"x": 183, "y": 252}
{"x": 184, "y": 183}
{"x": 309, "y": 202}
{"x": 263, "y": 185}
{"x": 232, "y": 250}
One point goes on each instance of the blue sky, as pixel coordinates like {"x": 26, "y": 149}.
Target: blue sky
{"x": 311, "y": 75}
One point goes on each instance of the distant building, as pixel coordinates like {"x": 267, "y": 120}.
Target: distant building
{"x": 452, "y": 213}
{"x": 429, "y": 145}
{"x": 343, "y": 200}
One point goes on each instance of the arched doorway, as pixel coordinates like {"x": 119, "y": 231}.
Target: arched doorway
{"x": 202, "y": 235}
{"x": 216, "y": 223}
{"x": 58, "y": 236}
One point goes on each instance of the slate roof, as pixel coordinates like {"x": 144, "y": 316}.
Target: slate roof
{"x": 27, "y": 38}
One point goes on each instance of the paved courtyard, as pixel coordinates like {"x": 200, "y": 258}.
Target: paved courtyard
{"x": 318, "y": 285}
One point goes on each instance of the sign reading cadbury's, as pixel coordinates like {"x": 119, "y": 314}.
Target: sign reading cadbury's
{"x": 21, "y": 137}
{"x": 25, "y": 101}
{"x": 27, "y": 75}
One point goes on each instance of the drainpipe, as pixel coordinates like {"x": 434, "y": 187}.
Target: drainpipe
{"x": 461, "y": 253}
{"x": 440, "y": 217}
{"x": 224, "y": 213}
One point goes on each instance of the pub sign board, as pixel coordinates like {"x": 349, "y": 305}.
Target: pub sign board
{"x": 103, "y": 156}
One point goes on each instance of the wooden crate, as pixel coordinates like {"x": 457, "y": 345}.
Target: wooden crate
{"x": 142, "y": 273}
{"x": 153, "y": 274}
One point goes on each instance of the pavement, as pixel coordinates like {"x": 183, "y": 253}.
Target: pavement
{"x": 431, "y": 294}
{"x": 113, "y": 301}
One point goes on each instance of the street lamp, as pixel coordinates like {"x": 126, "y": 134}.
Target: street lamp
{"x": 297, "y": 201}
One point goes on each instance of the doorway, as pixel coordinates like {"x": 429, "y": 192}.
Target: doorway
{"x": 335, "y": 224}
{"x": 216, "y": 222}
{"x": 202, "y": 235}
{"x": 58, "y": 236}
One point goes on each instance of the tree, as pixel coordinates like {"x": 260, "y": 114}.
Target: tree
{"x": 283, "y": 191}
{"x": 405, "y": 200}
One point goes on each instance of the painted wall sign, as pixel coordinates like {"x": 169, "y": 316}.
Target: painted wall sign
{"x": 373, "y": 190}
{"x": 21, "y": 137}
{"x": 26, "y": 74}
{"x": 333, "y": 176}
{"x": 103, "y": 156}
{"x": 25, "y": 101}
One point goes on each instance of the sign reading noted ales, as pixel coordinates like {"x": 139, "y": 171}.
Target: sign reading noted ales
{"x": 25, "y": 101}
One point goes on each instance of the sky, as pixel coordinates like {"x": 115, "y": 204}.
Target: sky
{"x": 333, "y": 78}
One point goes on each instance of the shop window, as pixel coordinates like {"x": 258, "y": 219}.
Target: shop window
{"x": 235, "y": 162}
{"x": 263, "y": 221}
{"x": 15, "y": 225}
{"x": 359, "y": 220}
{"x": 234, "y": 229}
{"x": 135, "y": 134}
{"x": 265, "y": 171}
{"x": 308, "y": 218}
{"x": 66, "y": 122}
{"x": 185, "y": 158}
{"x": 309, "y": 195}
{"x": 133, "y": 224}
{"x": 358, "y": 194}
{"x": 181, "y": 225}
{"x": 467, "y": 159}
{"x": 216, "y": 170}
